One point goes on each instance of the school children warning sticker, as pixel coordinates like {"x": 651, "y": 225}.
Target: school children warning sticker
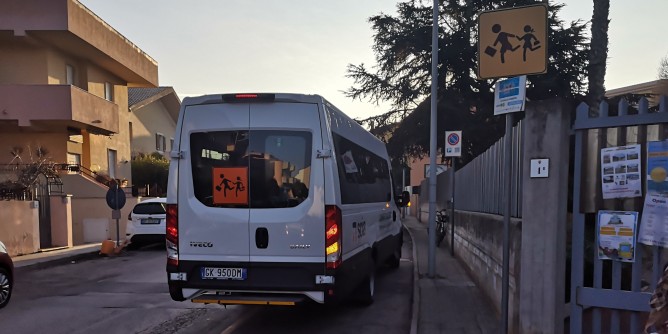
{"x": 230, "y": 185}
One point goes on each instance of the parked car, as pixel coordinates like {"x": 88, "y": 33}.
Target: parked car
{"x": 146, "y": 222}
{"x": 6, "y": 276}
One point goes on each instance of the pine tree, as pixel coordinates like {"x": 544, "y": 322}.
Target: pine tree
{"x": 402, "y": 45}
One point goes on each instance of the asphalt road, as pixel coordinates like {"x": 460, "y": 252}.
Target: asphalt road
{"x": 128, "y": 294}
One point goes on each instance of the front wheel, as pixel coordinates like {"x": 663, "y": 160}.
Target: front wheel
{"x": 6, "y": 285}
{"x": 395, "y": 260}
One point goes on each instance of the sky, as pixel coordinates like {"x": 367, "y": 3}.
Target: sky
{"x": 304, "y": 46}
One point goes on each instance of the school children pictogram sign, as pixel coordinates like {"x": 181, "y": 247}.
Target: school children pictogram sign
{"x": 512, "y": 42}
{"x": 230, "y": 185}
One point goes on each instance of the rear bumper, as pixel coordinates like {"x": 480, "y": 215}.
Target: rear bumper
{"x": 280, "y": 279}
{"x": 287, "y": 280}
{"x": 147, "y": 238}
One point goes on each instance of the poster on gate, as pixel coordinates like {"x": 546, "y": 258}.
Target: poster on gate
{"x": 657, "y": 167}
{"x": 620, "y": 172}
{"x": 654, "y": 221}
{"x": 616, "y": 235}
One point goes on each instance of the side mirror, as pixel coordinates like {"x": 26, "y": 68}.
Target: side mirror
{"x": 404, "y": 199}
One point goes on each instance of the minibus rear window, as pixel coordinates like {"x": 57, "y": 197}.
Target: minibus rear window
{"x": 258, "y": 169}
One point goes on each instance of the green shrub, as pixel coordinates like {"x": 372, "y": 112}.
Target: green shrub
{"x": 151, "y": 171}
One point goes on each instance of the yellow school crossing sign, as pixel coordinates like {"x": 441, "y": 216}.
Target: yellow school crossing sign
{"x": 512, "y": 42}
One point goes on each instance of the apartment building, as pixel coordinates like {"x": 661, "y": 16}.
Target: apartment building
{"x": 64, "y": 84}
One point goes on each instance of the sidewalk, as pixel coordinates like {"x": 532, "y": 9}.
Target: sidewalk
{"x": 450, "y": 302}
{"x": 57, "y": 256}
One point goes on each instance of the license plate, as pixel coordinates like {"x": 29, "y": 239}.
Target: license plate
{"x": 238, "y": 274}
{"x": 150, "y": 221}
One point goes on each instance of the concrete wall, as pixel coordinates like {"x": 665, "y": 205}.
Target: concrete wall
{"x": 479, "y": 246}
{"x": 61, "y": 221}
{"x": 544, "y": 219}
{"x": 89, "y": 213}
{"x": 19, "y": 228}
{"x": 89, "y": 207}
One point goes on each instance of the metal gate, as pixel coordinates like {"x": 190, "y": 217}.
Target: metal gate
{"x": 42, "y": 196}
{"x": 621, "y": 305}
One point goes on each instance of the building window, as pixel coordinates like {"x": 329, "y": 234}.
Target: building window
{"x": 160, "y": 142}
{"x": 171, "y": 144}
{"x": 111, "y": 156}
{"x": 69, "y": 74}
{"x": 108, "y": 91}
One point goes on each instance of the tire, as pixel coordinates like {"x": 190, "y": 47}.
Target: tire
{"x": 176, "y": 293}
{"x": 366, "y": 290}
{"x": 395, "y": 259}
{"x": 6, "y": 286}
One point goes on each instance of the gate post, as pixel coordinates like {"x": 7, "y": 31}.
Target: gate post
{"x": 544, "y": 214}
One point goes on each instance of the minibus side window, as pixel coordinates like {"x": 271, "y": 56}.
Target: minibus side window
{"x": 364, "y": 177}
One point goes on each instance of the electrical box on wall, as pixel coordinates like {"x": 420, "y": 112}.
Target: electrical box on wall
{"x": 540, "y": 168}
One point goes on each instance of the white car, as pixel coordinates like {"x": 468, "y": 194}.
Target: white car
{"x": 146, "y": 222}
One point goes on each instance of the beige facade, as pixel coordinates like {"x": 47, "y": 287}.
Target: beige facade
{"x": 64, "y": 87}
{"x": 69, "y": 75}
{"x": 153, "y": 116}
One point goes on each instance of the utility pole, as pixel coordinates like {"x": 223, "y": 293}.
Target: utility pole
{"x": 432, "y": 144}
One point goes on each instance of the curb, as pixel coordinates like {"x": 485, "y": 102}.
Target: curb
{"x": 52, "y": 260}
{"x": 415, "y": 310}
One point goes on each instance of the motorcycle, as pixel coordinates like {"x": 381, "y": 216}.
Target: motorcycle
{"x": 442, "y": 219}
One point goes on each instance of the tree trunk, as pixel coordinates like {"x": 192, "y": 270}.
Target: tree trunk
{"x": 598, "y": 54}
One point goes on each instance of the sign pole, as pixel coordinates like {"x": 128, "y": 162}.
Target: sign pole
{"x": 452, "y": 215}
{"x": 118, "y": 231}
{"x": 506, "y": 220}
{"x": 453, "y": 149}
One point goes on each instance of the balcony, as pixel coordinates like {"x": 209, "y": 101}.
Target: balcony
{"x": 70, "y": 26}
{"x": 55, "y": 107}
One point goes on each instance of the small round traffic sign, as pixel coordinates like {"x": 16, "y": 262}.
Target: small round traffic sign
{"x": 453, "y": 139}
{"x": 115, "y": 198}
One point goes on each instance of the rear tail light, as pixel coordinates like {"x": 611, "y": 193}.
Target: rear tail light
{"x": 172, "y": 235}
{"x": 333, "y": 236}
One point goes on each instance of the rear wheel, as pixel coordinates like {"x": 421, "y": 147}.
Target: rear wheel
{"x": 176, "y": 293}
{"x": 6, "y": 285}
{"x": 366, "y": 290}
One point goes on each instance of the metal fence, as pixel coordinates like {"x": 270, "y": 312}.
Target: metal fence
{"x": 607, "y": 295}
{"x": 479, "y": 185}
